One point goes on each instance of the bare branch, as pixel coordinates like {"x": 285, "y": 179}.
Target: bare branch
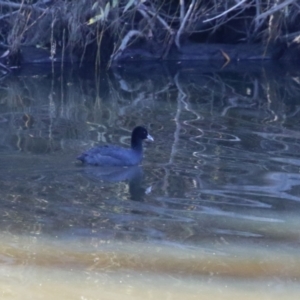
{"x": 20, "y": 6}
{"x": 8, "y": 70}
{"x": 182, "y": 10}
{"x": 8, "y": 15}
{"x": 291, "y": 36}
{"x": 124, "y": 43}
{"x": 274, "y": 9}
{"x": 225, "y": 12}
{"x": 154, "y": 14}
{"x": 178, "y": 34}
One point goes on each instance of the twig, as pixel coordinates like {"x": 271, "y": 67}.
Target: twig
{"x": 147, "y": 17}
{"x": 19, "y": 6}
{"x": 124, "y": 43}
{"x": 225, "y": 12}
{"x": 290, "y": 36}
{"x": 178, "y": 34}
{"x": 35, "y": 21}
{"x": 274, "y": 9}
{"x": 5, "y": 67}
{"x": 257, "y": 7}
{"x": 8, "y": 15}
{"x": 182, "y": 10}
{"x": 160, "y": 19}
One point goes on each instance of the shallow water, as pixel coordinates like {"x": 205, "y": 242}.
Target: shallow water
{"x": 213, "y": 211}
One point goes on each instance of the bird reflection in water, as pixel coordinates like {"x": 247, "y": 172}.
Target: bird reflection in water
{"x": 134, "y": 175}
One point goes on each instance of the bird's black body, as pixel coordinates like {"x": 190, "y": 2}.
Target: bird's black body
{"x": 110, "y": 155}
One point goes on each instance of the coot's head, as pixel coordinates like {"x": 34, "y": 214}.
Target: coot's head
{"x": 140, "y": 133}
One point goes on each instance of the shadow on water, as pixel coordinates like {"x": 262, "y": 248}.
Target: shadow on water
{"x": 213, "y": 212}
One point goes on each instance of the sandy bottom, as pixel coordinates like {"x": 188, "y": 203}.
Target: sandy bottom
{"x": 86, "y": 269}
{"x": 38, "y": 283}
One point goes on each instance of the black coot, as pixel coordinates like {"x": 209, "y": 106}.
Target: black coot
{"x": 117, "y": 156}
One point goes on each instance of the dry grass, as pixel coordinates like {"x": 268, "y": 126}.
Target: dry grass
{"x": 74, "y": 25}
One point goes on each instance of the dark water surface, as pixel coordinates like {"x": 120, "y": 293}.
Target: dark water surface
{"x": 212, "y": 213}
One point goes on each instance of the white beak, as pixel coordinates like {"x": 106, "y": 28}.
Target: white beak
{"x": 150, "y": 138}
